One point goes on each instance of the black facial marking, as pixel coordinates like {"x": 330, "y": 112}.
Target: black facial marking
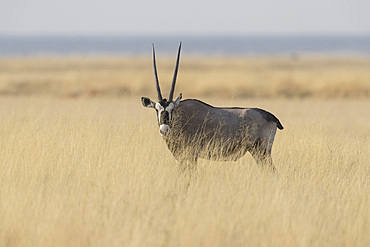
{"x": 164, "y": 103}
{"x": 165, "y": 118}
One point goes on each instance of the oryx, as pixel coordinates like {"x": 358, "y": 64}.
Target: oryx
{"x": 193, "y": 129}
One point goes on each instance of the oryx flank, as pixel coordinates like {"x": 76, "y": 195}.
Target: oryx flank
{"x": 193, "y": 129}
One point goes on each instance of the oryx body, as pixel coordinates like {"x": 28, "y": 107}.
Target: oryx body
{"x": 193, "y": 129}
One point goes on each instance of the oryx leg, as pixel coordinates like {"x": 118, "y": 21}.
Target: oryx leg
{"x": 261, "y": 152}
{"x": 186, "y": 171}
{"x": 186, "y": 160}
{"x": 187, "y": 164}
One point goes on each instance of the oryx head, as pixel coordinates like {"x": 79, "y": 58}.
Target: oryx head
{"x": 164, "y": 107}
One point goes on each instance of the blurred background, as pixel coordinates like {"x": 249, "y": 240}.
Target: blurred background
{"x": 235, "y": 48}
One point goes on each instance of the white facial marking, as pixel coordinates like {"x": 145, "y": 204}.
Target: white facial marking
{"x": 164, "y": 129}
{"x": 159, "y": 116}
{"x": 159, "y": 107}
{"x": 170, "y": 107}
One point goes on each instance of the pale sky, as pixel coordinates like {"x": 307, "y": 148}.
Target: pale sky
{"x": 186, "y": 16}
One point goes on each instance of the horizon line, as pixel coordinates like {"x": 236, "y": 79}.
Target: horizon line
{"x": 185, "y": 34}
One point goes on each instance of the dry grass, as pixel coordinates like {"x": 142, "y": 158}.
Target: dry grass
{"x": 96, "y": 173}
{"x": 283, "y": 77}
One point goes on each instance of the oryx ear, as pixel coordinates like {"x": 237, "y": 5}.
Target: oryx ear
{"x": 177, "y": 101}
{"x": 147, "y": 102}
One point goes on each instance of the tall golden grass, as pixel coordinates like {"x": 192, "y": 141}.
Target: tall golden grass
{"x": 240, "y": 77}
{"x": 95, "y": 172}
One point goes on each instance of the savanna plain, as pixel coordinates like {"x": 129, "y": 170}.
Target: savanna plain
{"x": 82, "y": 162}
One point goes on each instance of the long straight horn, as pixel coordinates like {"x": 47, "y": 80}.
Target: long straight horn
{"x": 156, "y": 76}
{"x": 172, "y": 90}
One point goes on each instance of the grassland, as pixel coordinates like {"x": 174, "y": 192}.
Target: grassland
{"x": 82, "y": 163}
{"x": 228, "y": 77}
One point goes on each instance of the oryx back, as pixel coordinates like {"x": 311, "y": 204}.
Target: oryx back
{"x": 202, "y": 131}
